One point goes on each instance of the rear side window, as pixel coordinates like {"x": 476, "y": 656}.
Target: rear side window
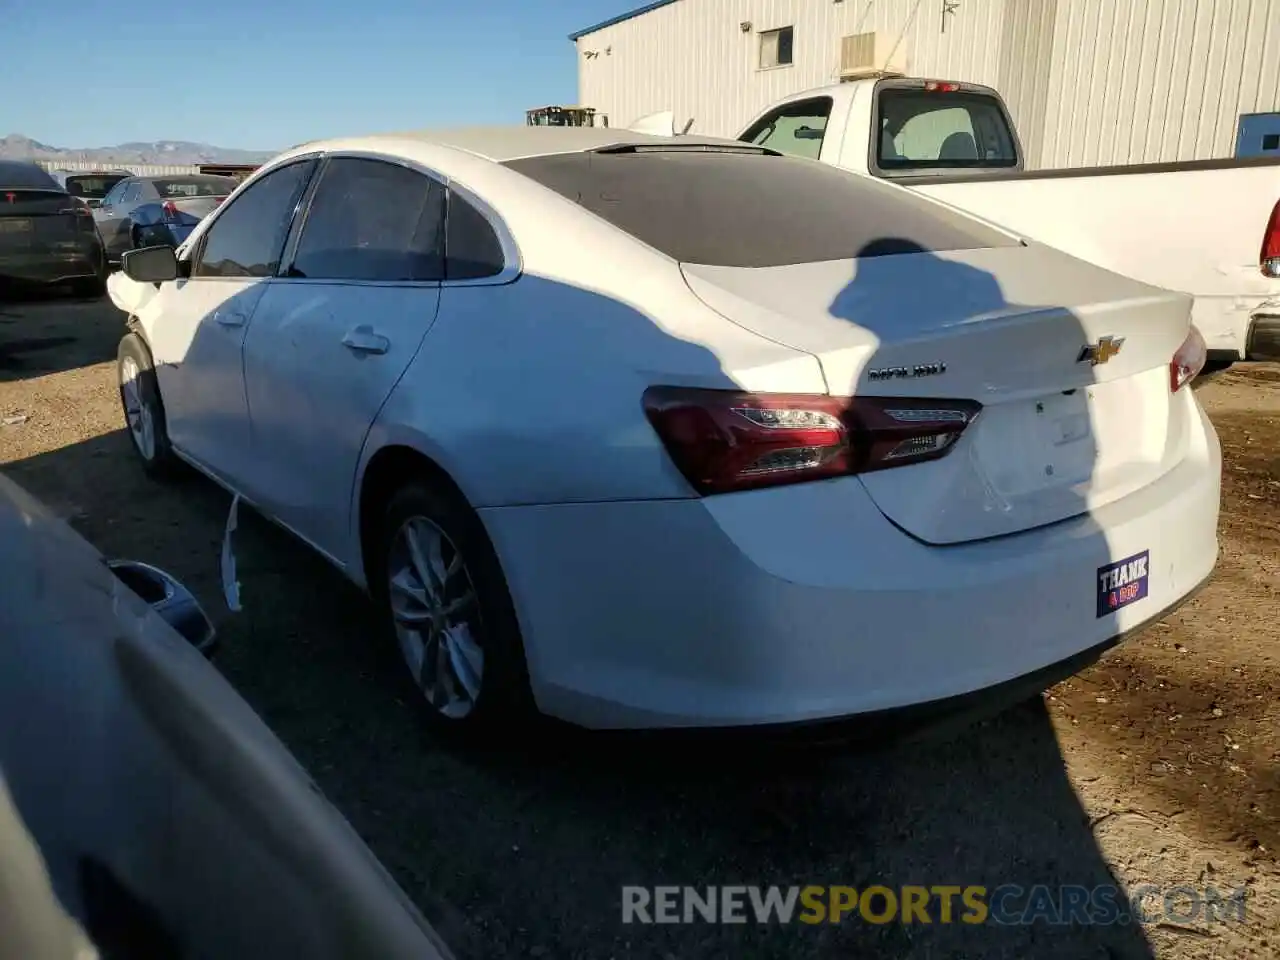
{"x": 796, "y": 129}
{"x": 374, "y": 221}
{"x": 925, "y": 129}
{"x": 472, "y": 249}
{"x": 246, "y": 238}
{"x": 747, "y": 209}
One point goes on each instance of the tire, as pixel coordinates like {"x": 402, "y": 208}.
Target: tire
{"x": 469, "y": 668}
{"x": 142, "y": 407}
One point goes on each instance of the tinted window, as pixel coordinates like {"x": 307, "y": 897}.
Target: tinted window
{"x": 18, "y": 173}
{"x": 91, "y": 186}
{"x": 174, "y": 188}
{"x": 472, "y": 248}
{"x": 246, "y": 238}
{"x": 796, "y": 129}
{"x": 371, "y": 220}
{"x": 747, "y": 209}
{"x": 924, "y": 129}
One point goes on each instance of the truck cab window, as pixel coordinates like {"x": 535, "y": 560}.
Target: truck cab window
{"x": 796, "y": 129}
{"x": 926, "y": 129}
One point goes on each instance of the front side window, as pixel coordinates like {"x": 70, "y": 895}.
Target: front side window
{"x": 776, "y": 47}
{"x": 796, "y": 129}
{"x": 246, "y": 238}
{"x": 131, "y": 192}
{"x": 374, "y": 221}
{"x": 927, "y": 129}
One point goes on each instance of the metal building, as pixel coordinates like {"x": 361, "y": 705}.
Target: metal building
{"x": 1088, "y": 81}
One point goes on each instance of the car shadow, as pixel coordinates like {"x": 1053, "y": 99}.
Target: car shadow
{"x": 49, "y": 330}
{"x": 525, "y": 850}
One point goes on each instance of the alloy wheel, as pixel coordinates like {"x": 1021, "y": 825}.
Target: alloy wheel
{"x": 136, "y": 409}
{"x": 436, "y": 616}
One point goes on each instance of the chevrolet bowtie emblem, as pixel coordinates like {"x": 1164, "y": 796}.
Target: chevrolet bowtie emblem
{"x": 1100, "y": 352}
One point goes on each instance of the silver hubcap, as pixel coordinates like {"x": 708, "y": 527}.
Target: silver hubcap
{"x": 437, "y": 618}
{"x": 136, "y": 410}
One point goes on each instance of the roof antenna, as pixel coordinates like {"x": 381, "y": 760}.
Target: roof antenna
{"x": 687, "y": 127}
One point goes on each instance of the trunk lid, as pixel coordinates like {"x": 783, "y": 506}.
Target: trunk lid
{"x": 1058, "y": 435}
{"x": 34, "y": 218}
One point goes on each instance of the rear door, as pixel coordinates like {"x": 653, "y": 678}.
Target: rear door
{"x": 196, "y": 325}
{"x": 331, "y": 337}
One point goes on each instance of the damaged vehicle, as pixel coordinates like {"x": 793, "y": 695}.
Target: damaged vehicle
{"x": 608, "y": 431}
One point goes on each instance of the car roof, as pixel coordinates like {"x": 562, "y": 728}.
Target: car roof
{"x": 501, "y": 144}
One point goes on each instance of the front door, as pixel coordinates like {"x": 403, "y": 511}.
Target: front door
{"x": 333, "y": 336}
{"x": 196, "y": 325}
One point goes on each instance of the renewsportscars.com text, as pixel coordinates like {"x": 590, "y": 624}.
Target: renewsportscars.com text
{"x": 943, "y": 903}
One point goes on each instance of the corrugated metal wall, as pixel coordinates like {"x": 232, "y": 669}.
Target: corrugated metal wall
{"x": 693, "y": 58}
{"x": 1088, "y": 81}
{"x": 1137, "y": 81}
{"x": 138, "y": 169}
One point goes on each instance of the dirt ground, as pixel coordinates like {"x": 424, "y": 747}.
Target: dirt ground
{"x": 1159, "y": 765}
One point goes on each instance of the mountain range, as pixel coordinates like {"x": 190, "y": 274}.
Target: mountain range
{"x": 17, "y": 147}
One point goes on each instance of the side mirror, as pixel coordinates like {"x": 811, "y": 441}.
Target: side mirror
{"x": 150, "y": 264}
{"x": 170, "y": 599}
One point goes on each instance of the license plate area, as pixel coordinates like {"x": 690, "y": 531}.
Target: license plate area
{"x": 15, "y": 225}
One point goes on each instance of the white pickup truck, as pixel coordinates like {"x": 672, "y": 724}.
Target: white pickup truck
{"x": 1210, "y": 228}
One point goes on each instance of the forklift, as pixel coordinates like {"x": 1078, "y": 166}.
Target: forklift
{"x": 565, "y": 117}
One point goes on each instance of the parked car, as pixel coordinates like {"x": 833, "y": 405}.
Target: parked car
{"x": 956, "y": 142}
{"x": 46, "y": 236}
{"x": 149, "y": 211}
{"x": 679, "y": 432}
{"x": 144, "y": 806}
{"x": 89, "y": 186}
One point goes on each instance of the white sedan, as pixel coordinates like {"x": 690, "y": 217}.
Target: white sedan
{"x": 675, "y": 432}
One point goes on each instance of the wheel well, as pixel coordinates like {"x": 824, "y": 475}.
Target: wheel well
{"x": 390, "y": 469}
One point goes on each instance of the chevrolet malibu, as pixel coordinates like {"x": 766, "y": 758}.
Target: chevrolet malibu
{"x": 644, "y": 431}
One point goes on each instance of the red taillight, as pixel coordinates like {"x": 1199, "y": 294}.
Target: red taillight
{"x": 724, "y": 440}
{"x": 1187, "y": 361}
{"x": 941, "y": 86}
{"x": 170, "y": 210}
{"x": 1269, "y": 255}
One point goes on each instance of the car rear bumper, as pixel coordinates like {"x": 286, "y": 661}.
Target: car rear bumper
{"x": 803, "y": 603}
{"x": 52, "y": 266}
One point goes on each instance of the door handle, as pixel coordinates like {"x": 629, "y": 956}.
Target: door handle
{"x": 229, "y": 318}
{"x": 362, "y": 339}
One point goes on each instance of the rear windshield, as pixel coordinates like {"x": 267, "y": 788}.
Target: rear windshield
{"x": 746, "y": 209}
{"x": 17, "y": 173}
{"x": 929, "y": 130}
{"x": 175, "y": 188}
{"x": 93, "y": 187}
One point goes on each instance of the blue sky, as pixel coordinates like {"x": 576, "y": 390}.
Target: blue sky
{"x": 266, "y": 74}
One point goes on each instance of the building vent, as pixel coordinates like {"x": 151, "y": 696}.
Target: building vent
{"x": 871, "y": 55}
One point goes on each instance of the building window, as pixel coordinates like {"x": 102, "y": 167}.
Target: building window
{"x": 775, "y": 47}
